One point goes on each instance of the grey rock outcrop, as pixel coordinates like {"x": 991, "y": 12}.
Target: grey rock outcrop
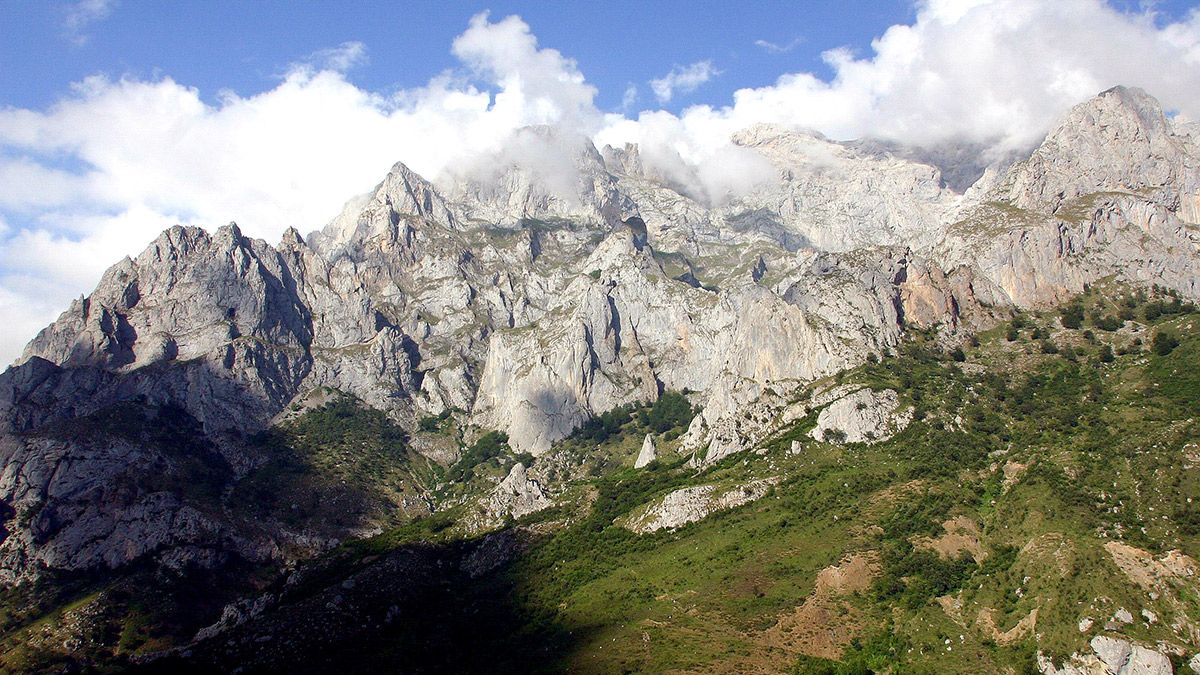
{"x": 1119, "y": 141}
{"x": 515, "y": 496}
{"x": 690, "y": 504}
{"x": 862, "y": 416}
{"x": 1111, "y": 656}
{"x": 647, "y": 454}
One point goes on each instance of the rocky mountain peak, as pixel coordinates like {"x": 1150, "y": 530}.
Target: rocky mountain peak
{"x": 228, "y": 235}
{"x": 291, "y": 239}
{"x": 764, "y": 133}
{"x": 402, "y": 196}
{"x": 624, "y": 160}
{"x": 1117, "y": 141}
{"x": 539, "y": 172}
{"x": 1123, "y": 101}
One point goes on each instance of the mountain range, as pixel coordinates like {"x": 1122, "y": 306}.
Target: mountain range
{"x": 474, "y": 345}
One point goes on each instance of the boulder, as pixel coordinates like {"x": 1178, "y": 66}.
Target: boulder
{"x": 648, "y": 454}
{"x": 687, "y": 505}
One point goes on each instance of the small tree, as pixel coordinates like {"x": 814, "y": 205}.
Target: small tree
{"x": 1106, "y": 353}
{"x": 1072, "y": 316}
{"x": 1164, "y": 343}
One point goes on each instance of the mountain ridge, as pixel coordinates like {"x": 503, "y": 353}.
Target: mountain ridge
{"x": 509, "y": 308}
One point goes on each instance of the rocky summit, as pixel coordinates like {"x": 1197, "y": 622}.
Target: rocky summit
{"x": 497, "y": 375}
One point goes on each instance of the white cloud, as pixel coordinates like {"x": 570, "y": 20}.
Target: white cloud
{"x": 991, "y": 72}
{"x": 338, "y": 59}
{"x": 682, "y": 80}
{"x": 82, "y": 14}
{"x": 775, "y": 48}
{"x": 629, "y": 98}
{"x": 98, "y": 174}
{"x": 537, "y": 86}
{"x": 997, "y": 71}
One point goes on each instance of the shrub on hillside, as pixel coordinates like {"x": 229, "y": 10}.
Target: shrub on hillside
{"x": 1072, "y": 316}
{"x": 1164, "y": 343}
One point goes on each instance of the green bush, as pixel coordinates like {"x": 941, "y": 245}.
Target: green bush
{"x": 671, "y": 410}
{"x": 431, "y": 423}
{"x": 489, "y": 446}
{"x": 605, "y": 425}
{"x": 1072, "y": 316}
{"x": 1164, "y": 343}
{"x": 914, "y": 576}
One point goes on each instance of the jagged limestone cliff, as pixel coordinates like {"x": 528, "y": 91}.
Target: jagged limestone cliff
{"x": 532, "y": 301}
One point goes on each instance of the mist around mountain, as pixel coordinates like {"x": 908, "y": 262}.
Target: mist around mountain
{"x": 882, "y": 409}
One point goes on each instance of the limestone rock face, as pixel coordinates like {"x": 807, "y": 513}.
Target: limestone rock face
{"x": 837, "y": 196}
{"x": 648, "y": 453}
{"x": 533, "y": 295}
{"x": 1123, "y": 658}
{"x": 864, "y": 416}
{"x": 518, "y": 183}
{"x": 687, "y": 505}
{"x": 590, "y": 362}
{"x": 1119, "y": 141}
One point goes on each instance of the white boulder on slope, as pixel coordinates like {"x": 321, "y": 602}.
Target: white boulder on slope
{"x": 863, "y": 416}
{"x": 689, "y": 504}
{"x": 648, "y": 454}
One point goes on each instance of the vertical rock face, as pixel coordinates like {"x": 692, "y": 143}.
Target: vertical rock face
{"x": 534, "y": 299}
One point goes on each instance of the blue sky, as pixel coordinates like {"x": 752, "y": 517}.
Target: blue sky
{"x": 119, "y": 118}
{"x": 245, "y": 46}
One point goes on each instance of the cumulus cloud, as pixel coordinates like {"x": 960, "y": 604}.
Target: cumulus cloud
{"x": 536, "y": 86}
{"x": 994, "y": 71}
{"x": 682, "y": 80}
{"x": 98, "y": 174}
{"x": 81, "y": 15}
